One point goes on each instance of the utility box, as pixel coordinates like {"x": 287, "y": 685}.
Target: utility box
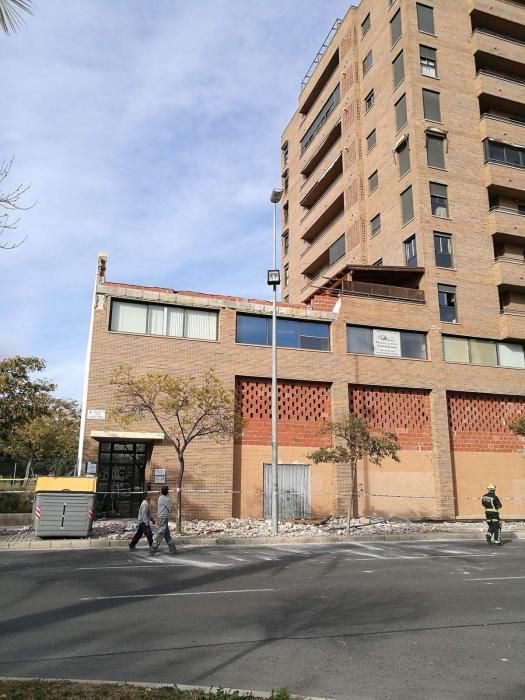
{"x": 64, "y": 506}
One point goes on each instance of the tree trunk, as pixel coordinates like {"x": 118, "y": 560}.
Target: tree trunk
{"x": 28, "y": 470}
{"x": 178, "y": 522}
{"x": 353, "y": 474}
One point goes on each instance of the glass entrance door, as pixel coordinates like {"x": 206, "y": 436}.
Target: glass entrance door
{"x": 121, "y": 470}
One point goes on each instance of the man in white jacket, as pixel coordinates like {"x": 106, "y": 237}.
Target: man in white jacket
{"x": 144, "y": 521}
{"x": 164, "y": 506}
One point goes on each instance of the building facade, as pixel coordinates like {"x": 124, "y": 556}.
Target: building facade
{"x": 403, "y": 261}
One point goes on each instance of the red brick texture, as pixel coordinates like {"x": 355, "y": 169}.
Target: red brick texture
{"x": 479, "y": 422}
{"x": 405, "y": 412}
{"x": 303, "y": 408}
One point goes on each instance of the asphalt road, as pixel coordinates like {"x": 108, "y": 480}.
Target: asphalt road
{"x": 363, "y": 620}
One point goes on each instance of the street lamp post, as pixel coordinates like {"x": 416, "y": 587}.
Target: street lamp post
{"x": 274, "y": 279}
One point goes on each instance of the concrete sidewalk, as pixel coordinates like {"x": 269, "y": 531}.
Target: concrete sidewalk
{"x": 16, "y": 542}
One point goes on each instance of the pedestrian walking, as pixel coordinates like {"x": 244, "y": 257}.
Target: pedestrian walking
{"x": 144, "y": 521}
{"x": 492, "y": 504}
{"x": 164, "y": 507}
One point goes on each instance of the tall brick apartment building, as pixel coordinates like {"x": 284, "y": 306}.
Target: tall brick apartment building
{"x": 404, "y": 284}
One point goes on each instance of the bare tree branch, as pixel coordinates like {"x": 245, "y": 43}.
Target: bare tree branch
{"x": 10, "y": 201}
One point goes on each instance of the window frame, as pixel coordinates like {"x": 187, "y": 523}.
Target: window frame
{"x": 402, "y": 99}
{"x": 368, "y": 147}
{"x": 369, "y": 101}
{"x": 404, "y": 335}
{"x": 367, "y": 62}
{"x": 404, "y": 160}
{"x": 286, "y": 241}
{"x": 410, "y": 251}
{"x": 376, "y": 218}
{"x": 404, "y": 221}
{"x": 446, "y": 289}
{"x": 434, "y": 200}
{"x": 400, "y": 56}
{"x": 420, "y": 18}
{"x": 371, "y": 180}
{"x": 430, "y": 61}
{"x": 393, "y": 24}
{"x": 366, "y": 25}
{"x": 435, "y": 138}
{"x": 427, "y": 105}
{"x": 444, "y": 236}
{"x": 496, "y": 342}
{"x": 301, "y": 326}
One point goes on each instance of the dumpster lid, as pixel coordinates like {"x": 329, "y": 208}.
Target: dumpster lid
{"x": 76, "y": 484}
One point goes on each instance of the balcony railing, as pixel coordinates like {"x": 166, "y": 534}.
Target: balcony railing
{"x": 508, "y": 120}
{"x": 324, "y": 46}
{"x": 497, "y": 35}
{"x": 500, "y": 76}
{"x": 314, "y": 206}
{"x": 322, "y": 233}
{"x": 506, "y": 210}
{"x": 384, "y": 291}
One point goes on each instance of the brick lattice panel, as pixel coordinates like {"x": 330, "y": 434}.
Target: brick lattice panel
{"x": 405, "y": 412}
{"x": 303, "y": 408}
{"x": 479, "y": 422}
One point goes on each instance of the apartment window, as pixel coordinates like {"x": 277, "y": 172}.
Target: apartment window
{"x": 291, "y": 333}
{"x": 439, "y": 200}
{"x": 431, "y": 106}
{"x": 435, "y": 151}
{"x": 154, "y": 319}
{"x": 425, "y": 18}
{"x": 369, "y": 101}
{"x": 321, "y": 118}
{"x": 385, "y": 342}
{"x": 407, "y": 206}
{"x": 286, "y": 299}
{"x": 337, "y": 250}
{"x": 285, "y": 181}
{"x": 378, "y": 263}
{"x": 401, "y": 112}
{"x": 504, "y": 153}
{"x": 410, "y": 252}
{"x": 398, "y": 69}
{"x": 375, "y": 224}
{"x": 365, "y": 25}
{"x": 286, "y": 274}
{"x": 286, "y": 242}
{"x": 428, "y": 61}
{"x": 443, "y": 250}
{"x": 395, "y": 27}
{"x": 367, "y": 62}
{"x": 284, "y": 150}
{"x": 373, "y": 182}
{"x": 403, "y": 154}
{"x": 371, "y": 140}
{"x": 286, "y": 212}
{"x": 447, "y": 303}
{"x": 483, "y": 352}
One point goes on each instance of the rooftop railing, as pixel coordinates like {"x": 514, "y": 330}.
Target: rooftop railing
{"x": 324, "y": 46}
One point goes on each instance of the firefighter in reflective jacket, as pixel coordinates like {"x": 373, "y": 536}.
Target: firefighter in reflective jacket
{"x": 492, "y": 504}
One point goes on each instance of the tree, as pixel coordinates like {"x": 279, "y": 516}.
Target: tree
{"x": 10, "y": 202}
{"x": 355, "y": 441}
{"x": 186, "y": 409}
{"x": 48, "y": 442}
{"x": 518, "y": 426}
{"x": 22, "y": 397}
{"x": 11, "y": 17}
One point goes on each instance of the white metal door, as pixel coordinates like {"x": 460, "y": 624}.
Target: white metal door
{"x": 294, "y": 491}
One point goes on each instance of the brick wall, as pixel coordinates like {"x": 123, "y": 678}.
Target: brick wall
{"x": 405, "y": 412}
{"x": 303, "y": 408}
{"x": 479, "y": 422}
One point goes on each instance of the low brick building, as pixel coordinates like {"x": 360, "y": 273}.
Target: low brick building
{"x": 451, "y": 416}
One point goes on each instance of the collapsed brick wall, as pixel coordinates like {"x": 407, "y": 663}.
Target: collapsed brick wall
{"x": 303, "y": 408}
{"x": 405, "y": 412}
{"x": 480, "y": 422}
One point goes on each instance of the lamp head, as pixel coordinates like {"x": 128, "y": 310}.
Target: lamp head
{"x": 276, "y": 195}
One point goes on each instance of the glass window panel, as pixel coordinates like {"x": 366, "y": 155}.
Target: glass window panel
{"x": 447, "y": 302}
{"x": 455, "y": 349}
{"x": 156, "y": 320}
{"x": 287, "y": 333}
{"x": 443, "y": 250}
{"x": 365, "y": 25}
{"x": 431, "y": 106}
{"x": 411, "y": 252}
{"x": 435, "y": 151}
{"x": 375, "y": 224}
{"x": 360, "y": 340}
{"x": 201, "y": 325}
{"x": 128, "y": 317}
{"x": 336, "y": 250}
{"x": 425, "y": 18}
{"x": 373, "y": 182}
{"x": 367, "y": 62}
{"x": 483, "y": 352}
{"x": 413, "y": 345}
{"x": 512, "y": 156}
{"x": 439, "y": 199}
{"x": 253, "y": 330}
{"x": 495, "y": 151}
{"x": 369, "y": 101}
{"x": 407, "y": 205}
{"x": 371, "y": 140}
{"x": 175, "y": 321}
{"x": 399, "y": 69}
{"x": 401, "y": 112}
{"x": 403, "y": 154}
{"x": 105, "y": 447}
{"x": 314, "y": 336}
{"x": 511, "y": 355}
{"x": 395, "y": 27}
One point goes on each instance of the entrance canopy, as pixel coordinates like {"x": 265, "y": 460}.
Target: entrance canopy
{"x": 126, "y": 436}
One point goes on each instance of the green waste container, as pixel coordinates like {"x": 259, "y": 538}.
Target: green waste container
{"x": 64, "y": 506}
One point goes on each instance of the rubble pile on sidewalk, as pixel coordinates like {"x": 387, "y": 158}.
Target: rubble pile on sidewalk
{"x": 250, "y": 528}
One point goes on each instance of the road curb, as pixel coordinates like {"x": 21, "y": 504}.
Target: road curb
{"x": 43, "y": 545}
{"x": 175, "y": 686}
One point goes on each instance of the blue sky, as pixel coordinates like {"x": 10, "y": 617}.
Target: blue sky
{"x": 149, "y": 130}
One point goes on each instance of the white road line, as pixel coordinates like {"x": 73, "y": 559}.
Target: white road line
{"x": 171, "y": 595}
{"x": 173, "y": 561}
{"x": 496, "y": 578}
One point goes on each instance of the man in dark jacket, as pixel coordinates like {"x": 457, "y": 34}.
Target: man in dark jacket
{"x": 492, "y": 504}
{"x": 144, "y": 521}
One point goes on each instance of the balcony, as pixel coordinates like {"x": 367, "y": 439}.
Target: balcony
{"x": 325, "y": 147}
{"x": 504, "y": 220}
{"x": 512, "y": 324}
{"x": 312, "y": 94}
{"x": 325, "y": 261}
{"x": 504, "y": 177}
{"x": 502, "y": 9}
{"x": 325, "y": 181}
{"x": 498, "y": 84}
{"x": 502, "y": 128}
{"x": 332, "y": 213}
{"x": 384, "y": 291}
{"x": 319, "y": 206}
{"x": 500, "y": 45}
{"x": 509, "y": 271}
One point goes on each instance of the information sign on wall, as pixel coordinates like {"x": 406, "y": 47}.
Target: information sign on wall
{"x": 160, "y": 476}
{"x": 96, "y": 414}
{"x": 387, "y": 343}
